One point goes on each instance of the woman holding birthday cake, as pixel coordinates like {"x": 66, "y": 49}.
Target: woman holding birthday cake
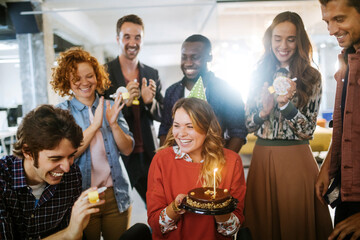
{"x": 282, "y": 111}
{"x": 192, "y": 151}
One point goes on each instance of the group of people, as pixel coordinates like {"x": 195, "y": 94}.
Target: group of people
{"x": 98, "y": 138}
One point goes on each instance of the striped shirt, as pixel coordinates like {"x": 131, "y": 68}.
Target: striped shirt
{"x": 20, "y": 218}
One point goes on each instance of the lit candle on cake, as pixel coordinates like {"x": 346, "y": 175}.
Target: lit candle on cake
{"x": 215, "y": 181}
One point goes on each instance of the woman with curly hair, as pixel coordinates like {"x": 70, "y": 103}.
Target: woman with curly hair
{"x": 280, "y": 200}
{"x": 193, "y": 149}
{"x": 106, "y": 135}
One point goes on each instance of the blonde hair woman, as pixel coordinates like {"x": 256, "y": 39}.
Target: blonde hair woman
{"x": 192, "y": 149}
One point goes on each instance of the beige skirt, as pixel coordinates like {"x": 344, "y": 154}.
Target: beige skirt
{"x": 280, "y": 201}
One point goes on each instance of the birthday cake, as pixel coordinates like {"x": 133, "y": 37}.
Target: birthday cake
{"x": 204, "y": 198}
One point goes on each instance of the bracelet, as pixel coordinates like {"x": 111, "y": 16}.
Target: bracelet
{"x": 175, "y": 208}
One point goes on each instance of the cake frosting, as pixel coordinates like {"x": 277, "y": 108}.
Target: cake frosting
{"x": 204, "y": 198}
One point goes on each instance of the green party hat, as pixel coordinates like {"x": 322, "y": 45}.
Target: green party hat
{"x": 198, "y": 90}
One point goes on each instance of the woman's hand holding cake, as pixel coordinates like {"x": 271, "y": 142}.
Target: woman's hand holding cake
{"x": 201, "y": 198}
{"x": 173, "y": 210}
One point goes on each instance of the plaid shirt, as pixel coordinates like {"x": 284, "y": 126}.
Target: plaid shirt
{"x": 19, "y": 217}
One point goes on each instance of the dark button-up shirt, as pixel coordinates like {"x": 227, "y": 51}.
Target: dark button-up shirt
{"x": 226, "y": 103}
{"x": 19, "y": 217}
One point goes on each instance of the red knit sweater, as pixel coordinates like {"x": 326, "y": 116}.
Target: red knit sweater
{"x": 169, "y": 177}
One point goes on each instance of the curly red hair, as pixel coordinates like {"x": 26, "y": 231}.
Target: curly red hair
{"x": 67, "y": 68}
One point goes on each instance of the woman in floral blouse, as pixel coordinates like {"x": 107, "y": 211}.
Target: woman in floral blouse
{"x": 280, "y": 201}
{"x": 192, "y": 150}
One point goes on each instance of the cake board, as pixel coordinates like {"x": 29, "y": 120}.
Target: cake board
{"x": 228, "y": 209}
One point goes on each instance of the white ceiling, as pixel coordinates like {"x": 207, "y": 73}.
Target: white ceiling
{"x": 235, "y": 30}
{"x": 168, "y": 22}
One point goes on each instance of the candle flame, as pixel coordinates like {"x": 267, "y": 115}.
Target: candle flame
{"x": 215, "y": 170}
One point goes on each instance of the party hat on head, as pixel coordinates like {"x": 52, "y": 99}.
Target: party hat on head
{"x": 198, "y": 90}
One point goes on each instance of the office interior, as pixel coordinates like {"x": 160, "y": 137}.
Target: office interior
{"x": 33, "y": 33}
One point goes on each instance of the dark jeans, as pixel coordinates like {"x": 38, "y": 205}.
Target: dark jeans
{"x": 345, "y": 210}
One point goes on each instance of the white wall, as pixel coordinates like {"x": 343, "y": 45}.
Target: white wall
{"x": 10, "y": 85}
{"x": 169, "y": 75}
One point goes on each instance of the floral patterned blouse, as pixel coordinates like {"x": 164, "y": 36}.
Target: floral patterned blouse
{"x": 289, "y": 123}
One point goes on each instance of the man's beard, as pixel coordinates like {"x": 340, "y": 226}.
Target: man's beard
{"x": 124, "y": 52}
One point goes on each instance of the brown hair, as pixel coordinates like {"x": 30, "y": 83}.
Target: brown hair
{"x": 351, "y": 3}
{"x": 67, "y": 67}
{"x": 204, "y": 121}
{"x": 128, "y": 18}
{"x": 300, "y": 62}
{"x": 43, "y": 128}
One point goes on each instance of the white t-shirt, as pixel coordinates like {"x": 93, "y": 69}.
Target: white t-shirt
{"x": 37, "y": 190}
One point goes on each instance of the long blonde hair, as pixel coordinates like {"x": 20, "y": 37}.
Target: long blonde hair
{"x": 204, "y": 121}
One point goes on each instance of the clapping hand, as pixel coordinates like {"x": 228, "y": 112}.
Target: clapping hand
{"x": 267, "y": 101}
{"x": 98, "y": 116}
{"x": 148, "y": 91}
{"x": 112, "y": 112}
{"x": 134, "y": 92}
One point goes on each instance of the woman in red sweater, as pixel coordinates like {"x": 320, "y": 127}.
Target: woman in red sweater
{"x": 192, "y": 150}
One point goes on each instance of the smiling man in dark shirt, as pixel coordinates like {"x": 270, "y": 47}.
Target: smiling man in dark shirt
{"x": 226, "y": 103}
{"x": 141, "y": 113}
